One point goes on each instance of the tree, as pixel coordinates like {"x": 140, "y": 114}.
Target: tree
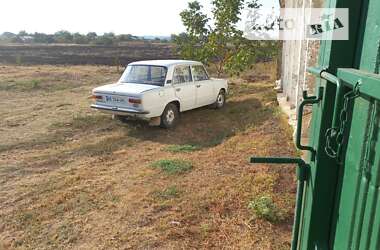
{"x": 22, "y": 33}
{"x": 192, "y": 45}
{"x": 63, "y": 36}
{"x": 106, "y": 39}
{"x": 43, "y": 38}
{"x": 222, "y": 43}
{"x": 91, "y": 36}
{"x": 8, "y": 35}
{"x": 234, "y": 53}
{"x": 125, "y": 38}
{"x": 79, "y": 38}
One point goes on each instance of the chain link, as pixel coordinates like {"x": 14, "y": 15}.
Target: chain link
{"x": 335, "y": 135}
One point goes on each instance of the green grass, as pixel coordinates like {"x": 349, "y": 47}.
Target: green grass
{"x": 264, "y": 208}
{"x": 181, "y": 148}
{"x": 172, "y": 167}
{"x": 21, "y": 85}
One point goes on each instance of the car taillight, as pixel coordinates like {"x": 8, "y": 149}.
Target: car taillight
{"x": 134, "y": 100}
{"x": 97, "y": 97}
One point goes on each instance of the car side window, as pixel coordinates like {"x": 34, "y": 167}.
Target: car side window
{"x": 182, "y": 74}
{"x": 158, "y": 74}
{"x": 200, "y": 73}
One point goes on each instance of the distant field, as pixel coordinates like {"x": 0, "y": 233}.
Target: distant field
{"x": 73, "y": 178}
{"x": 85, "y": 54}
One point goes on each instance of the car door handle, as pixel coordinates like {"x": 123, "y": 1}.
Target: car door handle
{"x": 178, "y": 89}
{"x": 198, "y": 86}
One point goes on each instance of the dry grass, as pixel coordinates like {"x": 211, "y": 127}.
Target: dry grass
{"x": 73, "y": 178}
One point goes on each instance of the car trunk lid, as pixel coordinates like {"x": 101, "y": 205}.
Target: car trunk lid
{"x": 122, "y": 94}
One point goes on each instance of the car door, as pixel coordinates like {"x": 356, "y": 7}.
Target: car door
{"x": 184, "y": 87}
{"x": 204, "y": 86}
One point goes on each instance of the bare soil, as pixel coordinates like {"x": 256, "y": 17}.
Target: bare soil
{"x": 71, "y": 54}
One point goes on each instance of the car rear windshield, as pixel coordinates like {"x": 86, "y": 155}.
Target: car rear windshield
{"x": 145, "y": 74}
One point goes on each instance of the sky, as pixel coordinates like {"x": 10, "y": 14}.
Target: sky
{"x": 137, "y": 17}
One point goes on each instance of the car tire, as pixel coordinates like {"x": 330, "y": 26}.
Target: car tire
{"x": 170, "y": 116}
{"x": 220, "y": 100}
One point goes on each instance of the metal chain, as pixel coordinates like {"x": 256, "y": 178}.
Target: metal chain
{"x": 335, "y": 135}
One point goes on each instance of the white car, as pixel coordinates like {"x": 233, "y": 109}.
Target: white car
{"x": 159, "y": 90}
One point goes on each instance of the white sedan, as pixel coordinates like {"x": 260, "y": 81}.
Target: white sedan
{"x": 159, "y": 90}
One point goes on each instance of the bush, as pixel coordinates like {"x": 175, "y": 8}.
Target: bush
{"x": 173, "y": 166}
{"x": 264, "y": 208}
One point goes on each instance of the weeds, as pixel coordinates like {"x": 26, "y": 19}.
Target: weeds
{"x": 21, "y": 85}
{"x": 264, "y": 208}
{"x": 182, "y": 148}
{"x": 172, "y": 167}
{"x": 167, "y": 194}
{"x": 35, "y": 84}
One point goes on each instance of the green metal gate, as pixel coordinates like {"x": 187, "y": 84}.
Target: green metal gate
{"x": 338, "y": 200}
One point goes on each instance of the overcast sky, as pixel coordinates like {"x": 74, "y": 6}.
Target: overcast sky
{"x": 137, "y": 17}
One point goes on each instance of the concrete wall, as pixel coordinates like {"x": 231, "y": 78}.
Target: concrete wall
{"x": 296, "y": 57}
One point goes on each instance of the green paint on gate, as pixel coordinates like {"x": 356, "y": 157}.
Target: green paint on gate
{"x": 340, "y": 204}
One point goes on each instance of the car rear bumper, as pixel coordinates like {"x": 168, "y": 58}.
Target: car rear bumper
{"x": 120, "y": 111}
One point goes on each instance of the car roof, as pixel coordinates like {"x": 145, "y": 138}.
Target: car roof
{"x": 166, "y": 63}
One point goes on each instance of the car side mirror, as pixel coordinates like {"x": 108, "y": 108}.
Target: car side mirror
{"x": 169, "y": 82}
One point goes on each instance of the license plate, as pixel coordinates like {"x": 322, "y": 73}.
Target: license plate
{"x": 116, "y": 99}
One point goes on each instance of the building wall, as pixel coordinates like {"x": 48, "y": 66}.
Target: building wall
{"x": 296, "y": 57}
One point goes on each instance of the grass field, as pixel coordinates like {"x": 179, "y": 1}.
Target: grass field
{"x": 73, "y": 178}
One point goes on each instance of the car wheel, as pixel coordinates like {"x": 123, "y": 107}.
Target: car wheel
{"x": 169, "y": 117}
{"x": 220, "y": 100}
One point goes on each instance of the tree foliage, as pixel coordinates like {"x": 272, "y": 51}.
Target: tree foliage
{"x": 67, "y": 37}
{"x": 222, "y": 43}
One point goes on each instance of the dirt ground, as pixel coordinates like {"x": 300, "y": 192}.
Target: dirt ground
{"x": 72, "y": 54}
{"x": 73, "y": 178}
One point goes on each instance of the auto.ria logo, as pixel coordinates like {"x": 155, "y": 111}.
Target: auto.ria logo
{"x": 296, "y": 24}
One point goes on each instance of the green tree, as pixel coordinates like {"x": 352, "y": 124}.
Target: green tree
{"x": 106, "y": 39}
{"x": 63, "y": 36}
{"x": 125, "y": 38}
{"x": 22, "y": 33}
{"x": 80, "y": 39}
{"x": 7, "y": 37}
{"x": 221, "y": 43}
{"x": 232, "y": 50}
{"x": 192, "y": 44}
{"x": 43, "y": 38}
{"x": 91, "y": 36}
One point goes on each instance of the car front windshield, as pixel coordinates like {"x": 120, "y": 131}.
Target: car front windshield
{"x": 144, "y": 74}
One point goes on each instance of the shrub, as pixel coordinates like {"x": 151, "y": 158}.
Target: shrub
{"x": 264, "y": 208}
{"x": 173, "y": 166}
